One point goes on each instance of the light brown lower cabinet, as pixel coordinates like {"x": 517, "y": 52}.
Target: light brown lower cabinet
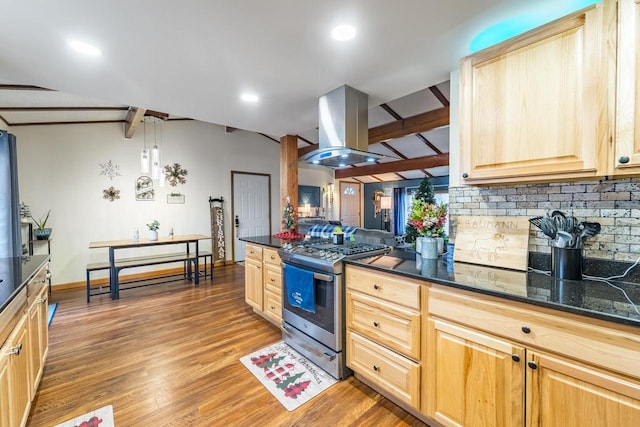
{"x": 544, "y": 370}
{"x": 15, "y": 394}
{"x": 263, "y": 282}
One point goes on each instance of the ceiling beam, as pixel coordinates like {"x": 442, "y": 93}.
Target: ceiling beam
{"x": 63, "y": 108}
{"x": 158, "y": 114}
{"x": 23, "y": 87}
{"x": 426, "y": 162}
{"x": 415, "y": 124}
{"x": 438, "y": 94}
{"x": 134, "y": 117}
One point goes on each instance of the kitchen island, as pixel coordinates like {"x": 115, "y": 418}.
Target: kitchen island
{"x": 473, "y": 345}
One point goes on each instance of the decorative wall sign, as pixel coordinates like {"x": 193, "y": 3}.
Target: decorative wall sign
{"x": 175, "y": 174}
{"x": 111, "y": 194}
{"x": 175, "y": 199}
{"x": 110, "y": 170}
{"x": 144, "y": 188}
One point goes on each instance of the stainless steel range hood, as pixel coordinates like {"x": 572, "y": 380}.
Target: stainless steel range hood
{"x": 343, "y": 129}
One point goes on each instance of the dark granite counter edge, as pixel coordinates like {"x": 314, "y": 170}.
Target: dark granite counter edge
{"x": 269, "y": 241}
{"x": 32, "y": 267}
{"x": 545, "y": 304}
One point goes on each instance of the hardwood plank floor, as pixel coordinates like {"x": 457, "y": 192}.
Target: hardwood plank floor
{"x": 167, "y": 355}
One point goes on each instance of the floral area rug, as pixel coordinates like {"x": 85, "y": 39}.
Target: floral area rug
{"x": 289, "y": 376}
{"x": 102, "y": 417}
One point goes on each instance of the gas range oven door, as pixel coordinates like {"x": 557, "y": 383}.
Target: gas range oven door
{"x": 325, "y": 323}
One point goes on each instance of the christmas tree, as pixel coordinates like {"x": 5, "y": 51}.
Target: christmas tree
{"x": 425, "y": 194}
{"x": 289, "y": 217}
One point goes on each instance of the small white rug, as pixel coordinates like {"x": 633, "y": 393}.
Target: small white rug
{"x": 102, "y": 417}
{"x": 289, "y": 376}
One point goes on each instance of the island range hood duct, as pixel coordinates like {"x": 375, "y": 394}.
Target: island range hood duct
{"x": 343, "y": 129}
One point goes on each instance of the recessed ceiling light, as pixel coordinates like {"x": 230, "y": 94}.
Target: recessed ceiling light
{"x": 85, "y": 48}
{"x": 249, "y": 97}
{"x": 343, "y": 33}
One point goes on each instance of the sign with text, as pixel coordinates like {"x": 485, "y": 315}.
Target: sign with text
{"x": 496, "y": 241}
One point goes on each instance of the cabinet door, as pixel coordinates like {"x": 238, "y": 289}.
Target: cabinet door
{"x": 564, "y": 393}
{"x": 627, "y": 142}
{"x": 535, "y": 107}
{"x": 15, "y": 398}
{"x": 38, "y": 338}
{"x": 253, "y": 283}
{"x": 473, "y": 379}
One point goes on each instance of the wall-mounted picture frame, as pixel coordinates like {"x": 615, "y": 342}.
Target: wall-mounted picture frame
{"x": 175, "y": 199}
{"x": 144, "y": 189}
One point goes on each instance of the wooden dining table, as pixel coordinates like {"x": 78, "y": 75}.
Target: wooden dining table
{"x": 113, "y": 245}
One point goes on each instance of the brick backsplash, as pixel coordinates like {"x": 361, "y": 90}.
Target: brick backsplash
{"x": 615, "y": 204}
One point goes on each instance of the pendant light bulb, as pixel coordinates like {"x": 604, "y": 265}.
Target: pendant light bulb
{"x": 144, "y": 161}
{"x": 155, "y": 162}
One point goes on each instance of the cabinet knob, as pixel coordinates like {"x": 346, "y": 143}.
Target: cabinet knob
{"x": 376, "y": 286}
{"x": 376, "y": 324}
{"x": 16, "y": 350}
{"x": 376, "y": 368}
{"x": 272, "y": 280}
{"x": 465, "y": 175}
{"x": 532, "y": 364}
{"x": 515, "y": 357}
{"x": 623, "y": 159}
{"x": 526, "y": 329}
{"x": 42, "y": 300}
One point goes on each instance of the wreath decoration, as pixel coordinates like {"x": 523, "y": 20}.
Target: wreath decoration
{"x": 175, "y": 174}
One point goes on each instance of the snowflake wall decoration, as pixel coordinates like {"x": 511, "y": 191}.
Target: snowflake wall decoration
{"x": 110, "y": 170}
{"x": 111, "y": 194}
{"x": 175, "y": 174}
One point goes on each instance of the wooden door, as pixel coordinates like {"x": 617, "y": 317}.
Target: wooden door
{"x": 626, "y": 158}
{"x": 473, "y": 379}
{"x": 561, "y": 392}
{"x": 253, "y": 283}
{"x": 535, "y": 107}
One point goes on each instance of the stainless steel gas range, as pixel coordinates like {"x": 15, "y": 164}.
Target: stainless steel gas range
{"x": 317, "y": 330}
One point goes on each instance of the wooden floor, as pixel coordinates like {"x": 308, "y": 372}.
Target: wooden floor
{"x": 167, "y": 355}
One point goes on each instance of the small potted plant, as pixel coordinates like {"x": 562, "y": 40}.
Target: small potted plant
{"x": 41, "y": 231}
{"x": 153, "y": 230}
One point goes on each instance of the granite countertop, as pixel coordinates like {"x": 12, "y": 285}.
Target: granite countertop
{"x": 270, "y": 241}
{"x": 615, "y": 301}
{"x": 15, "y": 273}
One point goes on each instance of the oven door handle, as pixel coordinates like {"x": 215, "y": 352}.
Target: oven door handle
{"x": 324, "y": 277}
{"x": 310, "y": 349}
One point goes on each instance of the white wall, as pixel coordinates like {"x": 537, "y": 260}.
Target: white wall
{"x": 59, "y": 169}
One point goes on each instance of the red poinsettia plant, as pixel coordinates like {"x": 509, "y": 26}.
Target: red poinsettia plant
{"x": 428, "y": 218}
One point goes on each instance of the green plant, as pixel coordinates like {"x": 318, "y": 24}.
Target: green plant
{"x": 154, "y": 226}
{"x": 41, "y": 225}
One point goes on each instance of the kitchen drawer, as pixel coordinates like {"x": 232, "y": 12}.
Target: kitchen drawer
{"x": 386, "y": 369}
{"x": 273, "y": 306}
{"x": 273, "y": 278}
{"x": 393, "y": 288}
{"x": 35, "y": 285}
{"x": 391, "y": 325}
{"x": 599, "y": 343}
{"x": 253, "y": 251}
{"x": 270, "y": 256}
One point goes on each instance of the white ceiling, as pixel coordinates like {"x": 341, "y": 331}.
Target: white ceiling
{"x": 193, "y": 58}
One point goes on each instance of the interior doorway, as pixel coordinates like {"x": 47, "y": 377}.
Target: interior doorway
{"x": 250, "y": 210}
{"x": 350, "y": 203}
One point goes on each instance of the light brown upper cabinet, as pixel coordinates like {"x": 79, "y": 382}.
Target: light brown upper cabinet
{"x": 626, "y": 156}
{"x": 539, "y": 106}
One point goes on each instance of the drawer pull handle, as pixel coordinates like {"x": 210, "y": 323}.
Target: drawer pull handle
{"x": 376, "y": 286}
{"x": 532, "y": 364}
{"x": 16, "y": 350}
{"x": 376, "y": 324}
{"x": 42, "y": 300}
{"x": 376, "y": 368}
{"x": 273, "y": 308}
{"x": 526, "y": 329}
{"x": 272, "y": 280}
{"x": 272, "y": 257}
{"x": 515, "y": 357}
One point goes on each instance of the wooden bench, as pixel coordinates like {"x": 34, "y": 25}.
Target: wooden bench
{"x": 144, "y": 262}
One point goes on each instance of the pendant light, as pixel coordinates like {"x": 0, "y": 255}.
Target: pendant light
{"x": 155, "y": 153}
{"x": 144, "y": 154}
